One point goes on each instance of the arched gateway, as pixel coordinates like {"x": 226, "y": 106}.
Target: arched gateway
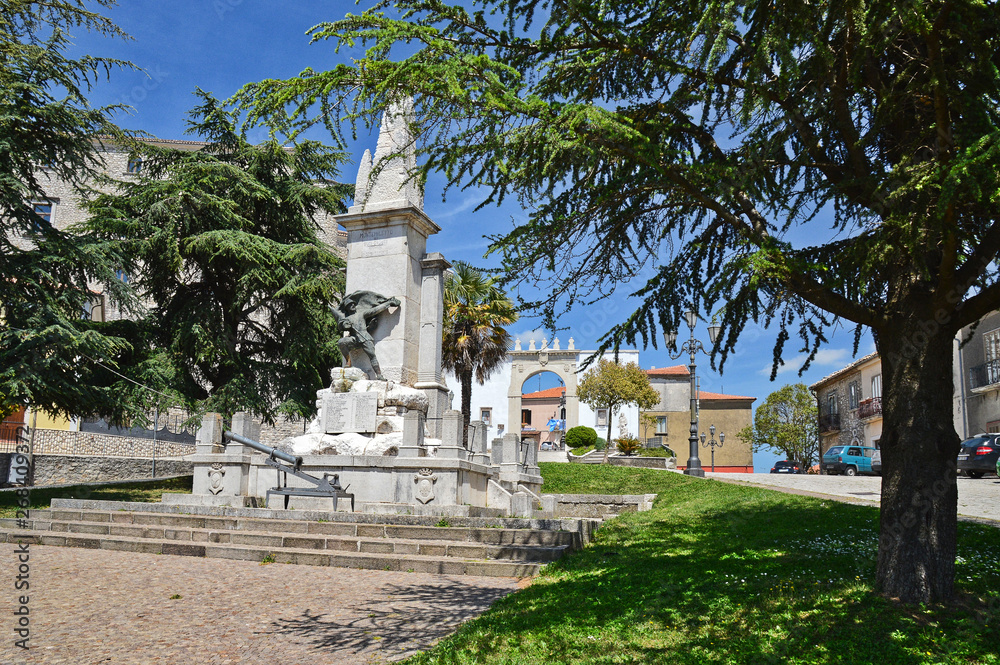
{"x": 527, "y": 363}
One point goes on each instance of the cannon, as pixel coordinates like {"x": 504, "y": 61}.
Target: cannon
{"x": 285, "y": 463}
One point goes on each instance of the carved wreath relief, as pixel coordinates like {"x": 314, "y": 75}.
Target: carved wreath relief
{"x": 215, "y": 475}
{"x": 425, "y": 480}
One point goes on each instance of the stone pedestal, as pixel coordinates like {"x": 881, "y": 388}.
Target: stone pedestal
{"x": 221, "y": 473}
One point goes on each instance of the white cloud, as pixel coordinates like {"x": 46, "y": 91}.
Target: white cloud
{"x": 824, "y": 357}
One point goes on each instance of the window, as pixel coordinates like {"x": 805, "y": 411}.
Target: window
{"x": 877, "y": 385}
{"x": 661, "y": 424}
{"x": 43, "y": 209}
{"x": 525, "y": 416}
{"x": 121, "y": 275}
{"x": 602, "y": 417}
{"x": 853, "y": 395}
{"x": 993, "y": 427}
{"x": 831, "y": 404}
{"x": 486, "y": 415}
{"x": 135, "y": 165}
{"x": 94, "y": 310}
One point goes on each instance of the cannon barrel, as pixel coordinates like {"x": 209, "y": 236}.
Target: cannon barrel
{"x": 274, "y": 453}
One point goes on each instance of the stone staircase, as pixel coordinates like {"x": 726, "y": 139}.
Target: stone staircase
{"x": 500, "y": 547}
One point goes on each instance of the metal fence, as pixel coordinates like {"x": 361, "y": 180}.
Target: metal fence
{"x": 173, "y": 429}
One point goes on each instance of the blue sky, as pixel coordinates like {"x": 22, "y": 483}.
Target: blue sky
{"x": 218, "y": 45}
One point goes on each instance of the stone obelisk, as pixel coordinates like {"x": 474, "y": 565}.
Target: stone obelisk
{"x": 387, "y": 233}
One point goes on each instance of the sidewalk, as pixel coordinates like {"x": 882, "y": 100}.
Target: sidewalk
{"x": 99, "y": 606}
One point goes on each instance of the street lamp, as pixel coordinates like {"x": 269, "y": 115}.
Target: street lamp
{"x": 692, "y": 346}
{"x": 713, "y": 443}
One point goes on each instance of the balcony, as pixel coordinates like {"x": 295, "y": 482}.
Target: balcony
{"x": 829, "y": 422}
{"x": 984, "y": 375}
{"x": 870, "y": 408}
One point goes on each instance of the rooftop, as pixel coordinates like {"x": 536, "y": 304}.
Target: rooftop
{"x": 840, "y": 372}
{"x": 548, "y": 393}
{"x": 676, "y": 370}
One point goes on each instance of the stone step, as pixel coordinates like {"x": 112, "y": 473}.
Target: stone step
{"x": 305, "y": 556}
{"x": 489, "y": 536}
{"x": 274, "y": 539}
{"x": 584, "y": 526}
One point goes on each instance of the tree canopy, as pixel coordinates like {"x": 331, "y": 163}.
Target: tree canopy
{"x": 50, "y": 356}
{"x": 787, "y": 422}
{"x": 611, "y": 385}
{"x": 790, "y": 164}
{"x": 222, "y": 242}
{"x": 475, "y": 339}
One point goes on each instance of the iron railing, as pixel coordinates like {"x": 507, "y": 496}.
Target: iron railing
{"x": 829, "y": 422}
{"x": 870, "y": 408}
{"x": 173, "y": 429}
{"x": 986, "y": 374}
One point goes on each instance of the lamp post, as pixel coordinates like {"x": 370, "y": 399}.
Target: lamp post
{"x": 691, "y": 346}
{"x": 713, "y": 443}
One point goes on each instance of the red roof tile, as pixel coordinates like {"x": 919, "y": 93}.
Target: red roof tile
{"x": 549, "y": 393}
{"x": 676, "y": 370}
{"x": 706, "y": 395}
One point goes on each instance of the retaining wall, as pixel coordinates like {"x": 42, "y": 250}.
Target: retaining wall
{"x": 60, "y": 469}
{"x": 62, "y": 442}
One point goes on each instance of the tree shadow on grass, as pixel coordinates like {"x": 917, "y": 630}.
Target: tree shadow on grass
{"x": 750, "y": 579}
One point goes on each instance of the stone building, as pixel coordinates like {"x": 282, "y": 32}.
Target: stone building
{"x": 537, "y": 409}
{"x": 671, "y": 421}
{"x": 850, "y": 400}
{"x": 850, "y": 404}
{"x": 977, "y": 377}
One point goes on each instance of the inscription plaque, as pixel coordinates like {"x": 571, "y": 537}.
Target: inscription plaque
{"x": 350, "y": 412}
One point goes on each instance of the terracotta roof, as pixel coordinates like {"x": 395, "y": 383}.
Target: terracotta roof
{"x": 854, "y": 365}
{"x": 706, "y": 395}
{"x": 676, "y": 370}
{"x": 549, "y": 393}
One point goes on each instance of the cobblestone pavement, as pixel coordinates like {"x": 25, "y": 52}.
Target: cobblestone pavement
{"x": 99, "y": 606}
{"x": 979, "y": 499}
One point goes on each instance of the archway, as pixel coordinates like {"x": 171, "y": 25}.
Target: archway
{"x": 543, "y": 410}
{"x": 529, "y": 363}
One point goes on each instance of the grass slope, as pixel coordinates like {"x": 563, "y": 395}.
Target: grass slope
{"x": 720, "y": 573}
{"x": 145, "y": 491}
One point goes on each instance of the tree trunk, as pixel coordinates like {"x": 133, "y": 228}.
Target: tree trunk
{"x": 607, "y": 442}
{"x": 465, "y": 378}
{"x": 916, "y": 553}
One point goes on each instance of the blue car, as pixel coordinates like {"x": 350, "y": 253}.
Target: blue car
{"x": 848, "y": 460}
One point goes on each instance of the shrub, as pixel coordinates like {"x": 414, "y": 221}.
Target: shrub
{"x": 581, "y": 436}
{"x": 599, "y": 444}
{"x": 628, "y": 445}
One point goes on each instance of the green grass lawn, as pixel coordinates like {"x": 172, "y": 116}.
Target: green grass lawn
{"x": 720, "y": 573}
{"x": 147, "y": 491}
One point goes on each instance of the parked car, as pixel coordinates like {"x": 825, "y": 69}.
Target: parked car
{"x": 979, "y": 455}
{"x": 848, "y": 460}
{"x": 787, "y": 466}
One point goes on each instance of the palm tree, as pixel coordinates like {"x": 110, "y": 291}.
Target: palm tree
{"x": 475, "y": 340}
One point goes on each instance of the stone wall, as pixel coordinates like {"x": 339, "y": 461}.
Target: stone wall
{"x": 644, "y": 462}
{"x": 600, "y": 506}
{"x": 61, "y": 469}
{"x": 283, "y": 428}
{"x": 62, "y": 442}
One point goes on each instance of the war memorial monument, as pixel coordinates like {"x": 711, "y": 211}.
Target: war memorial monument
{"x": 385, "y": 427}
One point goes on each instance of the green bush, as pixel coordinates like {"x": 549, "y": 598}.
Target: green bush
{"x": 599, "y": 444}
{"x": 628, "y": 445}
{"x": 581, "y": 436}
